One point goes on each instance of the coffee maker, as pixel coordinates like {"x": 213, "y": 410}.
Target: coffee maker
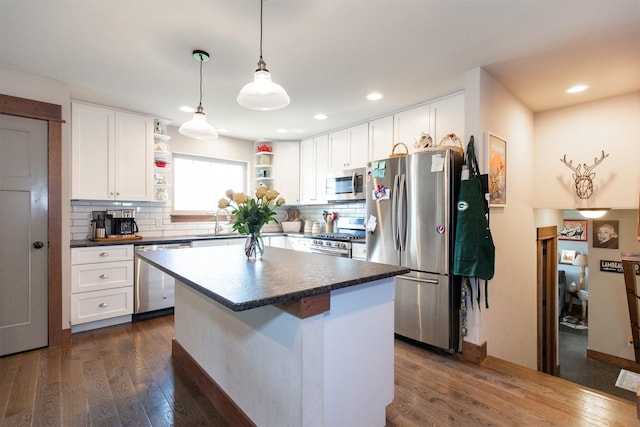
{"x": 113, "y": 223}
{"x": 123, "y": 222}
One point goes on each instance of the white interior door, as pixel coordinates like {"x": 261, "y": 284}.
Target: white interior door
{"x": 23, "y": 234}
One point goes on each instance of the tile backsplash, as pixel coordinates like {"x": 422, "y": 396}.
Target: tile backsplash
{"x": 154, "y": 219}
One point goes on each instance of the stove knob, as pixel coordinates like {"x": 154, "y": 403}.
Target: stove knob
{"x": 343, "y": 245}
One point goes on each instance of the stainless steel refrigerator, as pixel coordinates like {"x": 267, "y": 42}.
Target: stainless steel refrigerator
{"x": 412, "y": 200}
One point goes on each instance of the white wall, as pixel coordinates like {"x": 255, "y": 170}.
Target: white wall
{"x": 509, "y": 325}
{"x": 582, "y": 132}
{"x": 55, "y": 92}
{"x": 609, "y": 327}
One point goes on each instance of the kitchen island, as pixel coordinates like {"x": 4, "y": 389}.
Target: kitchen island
{"x": 294, "y": 339}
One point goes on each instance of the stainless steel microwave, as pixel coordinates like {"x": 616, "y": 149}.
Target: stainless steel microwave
{"x": 346, "y": 185}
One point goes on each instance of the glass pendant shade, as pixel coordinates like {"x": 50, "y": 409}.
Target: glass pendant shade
{"x": 198, "y": 127}
{"x": 263, "y": 94}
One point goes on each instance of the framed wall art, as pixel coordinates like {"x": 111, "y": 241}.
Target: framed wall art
{"x": 497, "y": 167}
{"x": 567, "y": 256}
{"x": 574, "y": 229}
{"x": 605, "y": 234}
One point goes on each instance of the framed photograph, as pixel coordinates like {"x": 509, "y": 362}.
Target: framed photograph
{"x": 605, "y": 234}
{"x": 567, "y": 256}
{"x": 497, "y": 168}
{"x": 574, "y": 229}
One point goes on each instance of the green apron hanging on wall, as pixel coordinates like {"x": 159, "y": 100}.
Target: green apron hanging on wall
{"x": 474, "y": 252}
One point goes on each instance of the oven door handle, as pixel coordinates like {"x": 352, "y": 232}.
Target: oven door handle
{"x": 335, "y": 252}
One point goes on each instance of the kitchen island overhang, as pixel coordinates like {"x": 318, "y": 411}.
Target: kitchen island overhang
{"x": 331, "y": 366}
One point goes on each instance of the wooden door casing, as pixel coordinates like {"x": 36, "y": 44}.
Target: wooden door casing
{"x": 51, "y": 113}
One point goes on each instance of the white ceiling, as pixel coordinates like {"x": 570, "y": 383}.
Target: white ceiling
{"x": 136, "y": 54}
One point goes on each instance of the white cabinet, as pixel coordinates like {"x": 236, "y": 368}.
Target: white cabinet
{"x": 408, "y": 124}
{"x": 233, "y": 241}
{"x": 313, "y": 169}
{"x": 349, "y": 147}
{"x": 359, "y": 251}
{"x": 275, "y": 241}
{"x": 286, "y": 170}
{"x": 447, "y": 116}
{"x": 438, "y": 118}
{"x": 101, "y": 284}
{"x": 111, "y": 154}
{"x": 380, "y": 138}
{"x": 301, "y": 244}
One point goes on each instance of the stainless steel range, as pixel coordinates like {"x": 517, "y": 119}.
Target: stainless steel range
{"x": 339, "y": 243}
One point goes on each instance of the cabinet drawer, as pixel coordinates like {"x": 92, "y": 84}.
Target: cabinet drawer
{"x": 94, "y": 277}
{"x": 96, "y": 254}
{"x": 99, "y": 305}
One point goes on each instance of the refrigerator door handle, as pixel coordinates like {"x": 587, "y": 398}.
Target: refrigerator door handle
{"x": 402, "y": 214}
{"x": 394, "y": 212}
{"x": 415, "y": 279}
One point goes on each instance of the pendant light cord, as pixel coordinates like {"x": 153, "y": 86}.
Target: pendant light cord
{"x": 200, "y": 103}
{"x": 261, "y": 30}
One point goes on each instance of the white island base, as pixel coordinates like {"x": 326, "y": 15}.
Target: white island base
{"x": 332, "y": 369}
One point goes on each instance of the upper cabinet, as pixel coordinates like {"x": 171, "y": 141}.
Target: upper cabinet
{"x": 348, "y": 148}
{"x": 447, "y": 116}
{"x": 287, "y": 170}
{"x": 380, "y": 138}
{"x": 408, "y": 124}
{"x": 111, "y": 154}
{"x": 437, "y": 118}
{"x": 314, "y": 165}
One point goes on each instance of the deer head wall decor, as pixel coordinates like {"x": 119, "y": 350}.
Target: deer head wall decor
{"x": 583, "y": 176}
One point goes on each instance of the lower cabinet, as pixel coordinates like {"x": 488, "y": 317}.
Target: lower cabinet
{"x": 101, "y": 285}
{"x": 218, "y": 242}
{"x": 359, "y": 251}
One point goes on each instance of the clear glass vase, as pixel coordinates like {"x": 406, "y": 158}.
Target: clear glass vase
{"x": 253, "y": 246}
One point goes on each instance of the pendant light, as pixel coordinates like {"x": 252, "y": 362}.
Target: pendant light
{"x": 198, "y": 127}
{"x": 262, "y": 93}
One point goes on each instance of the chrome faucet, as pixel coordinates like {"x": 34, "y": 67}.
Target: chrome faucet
{"x": 220, "y": 228}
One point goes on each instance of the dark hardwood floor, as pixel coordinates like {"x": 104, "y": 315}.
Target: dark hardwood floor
{"x": 123, "y": 375}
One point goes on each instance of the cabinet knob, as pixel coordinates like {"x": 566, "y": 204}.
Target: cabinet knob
{"x": 104, "y": 276}
{"x": 104, "y": 254}
{"x": 38, "y": 245}
{"x": 103, "y": 305}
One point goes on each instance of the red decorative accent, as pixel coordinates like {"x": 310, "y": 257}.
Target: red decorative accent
{"x": 264, "y": 148}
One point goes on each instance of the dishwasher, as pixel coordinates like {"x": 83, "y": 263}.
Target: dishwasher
{"x": 154, "y": 289}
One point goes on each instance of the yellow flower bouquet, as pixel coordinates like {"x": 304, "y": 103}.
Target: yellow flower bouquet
{"x": 251, "y": 214}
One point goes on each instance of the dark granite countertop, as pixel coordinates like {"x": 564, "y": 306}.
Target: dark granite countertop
{"x": 226, "y": 276}
{"x": 177, "y": 239}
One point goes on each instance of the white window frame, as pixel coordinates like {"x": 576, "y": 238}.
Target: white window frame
{"x": 206, "y": 215}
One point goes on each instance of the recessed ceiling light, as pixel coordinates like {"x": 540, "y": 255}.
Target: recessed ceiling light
{"x": 577, "y": 89}
{"x": 375, "y": 96}
{"x": 282, "y": 130}
{"x": 320, "y": 116}
{"x": 186, "y": 109}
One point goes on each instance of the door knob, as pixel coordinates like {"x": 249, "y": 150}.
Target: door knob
{"x": 38, "y": 245}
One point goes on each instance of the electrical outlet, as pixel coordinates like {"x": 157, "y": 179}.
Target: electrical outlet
{"x": 158, "y": 222}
